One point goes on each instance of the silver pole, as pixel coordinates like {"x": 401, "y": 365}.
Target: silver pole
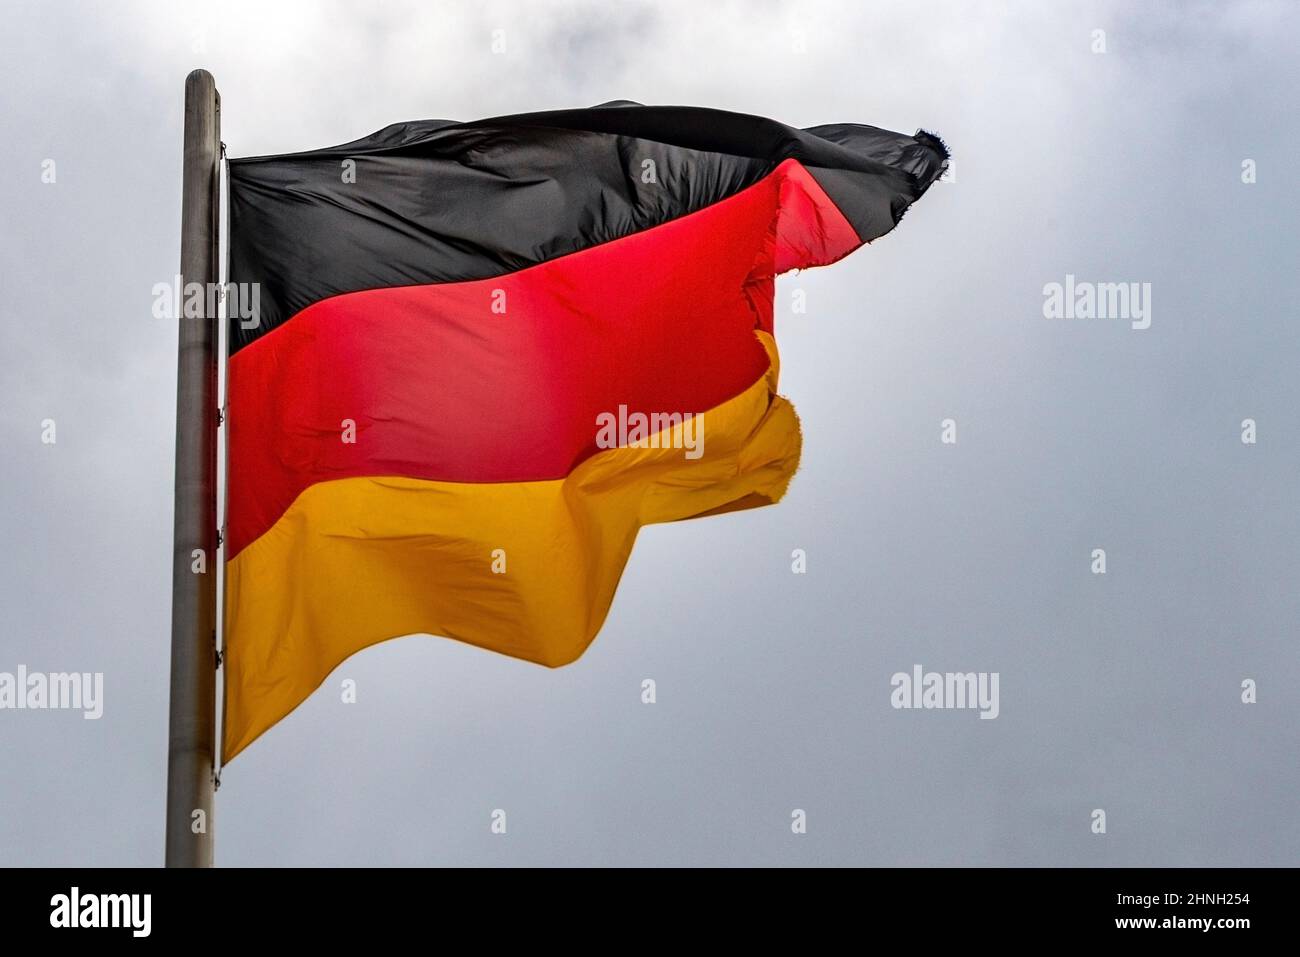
{"x": 191, "y": 742}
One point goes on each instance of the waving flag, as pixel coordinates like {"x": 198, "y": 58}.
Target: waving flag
{"x": 485, "y": 354}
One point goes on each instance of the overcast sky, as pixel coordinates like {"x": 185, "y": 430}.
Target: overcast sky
{"x": 1119, "y": 692}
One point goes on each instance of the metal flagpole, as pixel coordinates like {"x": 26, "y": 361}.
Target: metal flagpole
{"x": 191, "y": 741}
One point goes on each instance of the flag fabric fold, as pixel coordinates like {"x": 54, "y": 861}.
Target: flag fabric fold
{"x": 487, "y": 353}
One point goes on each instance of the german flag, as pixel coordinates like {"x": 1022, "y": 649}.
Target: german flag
{"x": 485, "y": 354}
